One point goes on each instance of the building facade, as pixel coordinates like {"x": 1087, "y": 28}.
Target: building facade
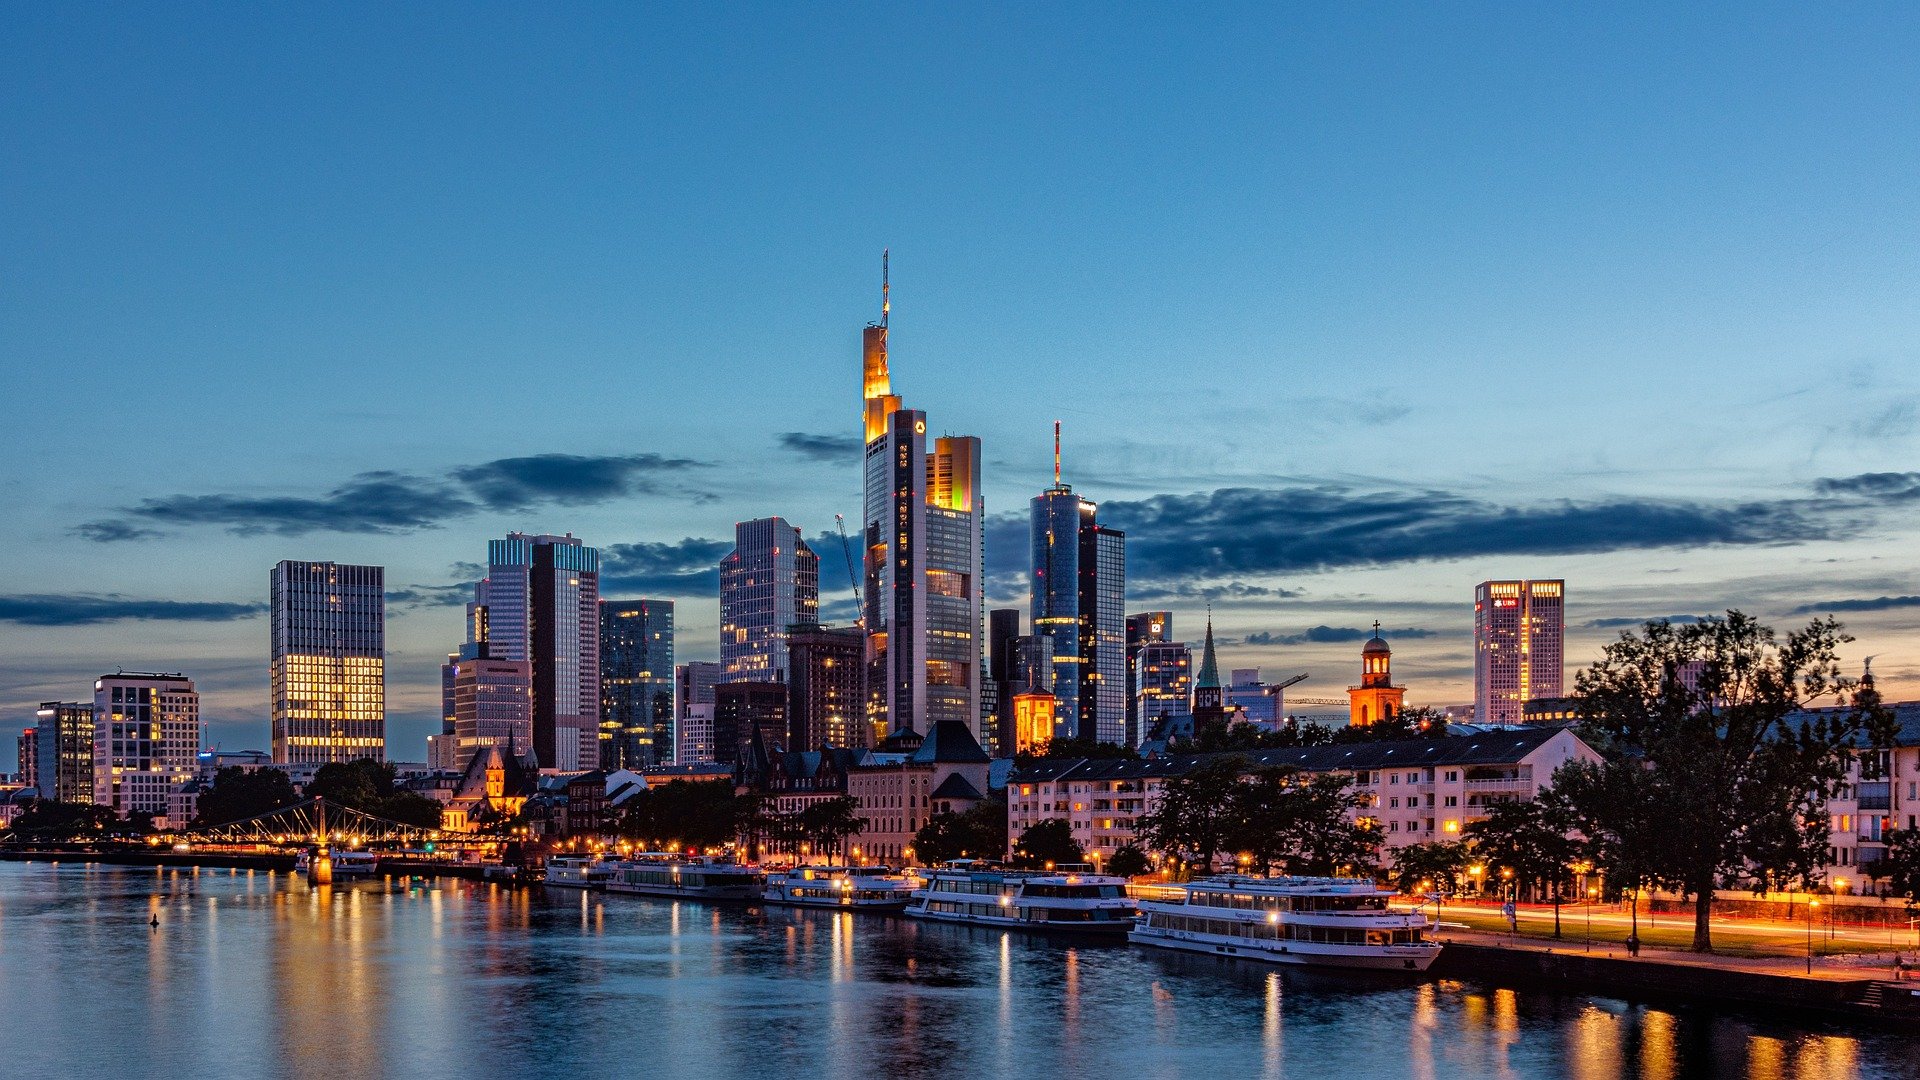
{"x": 1519, "y": 647}
{"x": 540, "y": 603}
{"x": 1376, "y": 698}
{"x": 743, "y": 711}
{"x": 27, "y": 749}
{"x": 492, "y": 707}
{"x": 1163, "y": 686}
{"x": 64, "y": 745}
{"x": 146, "y": 739}
{"x": 826, "y": 688}
{"x": 1143, "y": 628}
{"x": 693, "y": 735}
{"x": 327, "y": 652}
{"x": 768, "y": 582}
{"x": 636, "y": 683}
{"x": 1078, "y": 600}
{"x": 898, "y": 792}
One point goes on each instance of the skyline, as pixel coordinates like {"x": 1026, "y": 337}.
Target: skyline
{"x": 1282, "y": 273}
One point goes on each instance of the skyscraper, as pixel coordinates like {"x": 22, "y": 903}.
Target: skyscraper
{"x": 1163, "y": 687}
{"x": 743, "y": 709}
{"x": 541, "y": 601}
{"x": 1079, "y": 598}
{"x": 693, "y": 684}
{"x": 1519, "y": 646}
{"x": 768, "y": 582}
{"x": 825, "y": 688}
{"x": 64, "y": 744}
{"x": 636, "y": 683}
{"x": 27, "y": 753}
{"x": 924, "y": 557}
{"x": 146, "y": 739}
{"x": 1003, "y": 635}
{"x": 492, "y": 707}
{"x": 1143, "y": 628}
{"x": 328, "y": 656}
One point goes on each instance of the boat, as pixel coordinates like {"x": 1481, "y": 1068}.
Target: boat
{"x": 577, "y": 872}
{"x": 1066, "y": 899}
{"x": 1319, "y": 922}
{"x": 846, "y": 888}
{"x": 346, "y": 864}
{"x": 685, "y": 877}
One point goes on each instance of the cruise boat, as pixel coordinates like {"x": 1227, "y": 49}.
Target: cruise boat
{"x": 686, "y": 878}
{"x": 847, "y": 888}
{"x": 1323, "y": 922}
{"x": 577, "y": 872}
{"x": 1066, "y": 899}
{"x": 346, "y": 864}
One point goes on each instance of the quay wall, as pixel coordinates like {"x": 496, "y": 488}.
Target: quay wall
{"x": 1649, "y": 979}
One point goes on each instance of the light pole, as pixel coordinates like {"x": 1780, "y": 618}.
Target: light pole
{"x": 1811, "y": 905}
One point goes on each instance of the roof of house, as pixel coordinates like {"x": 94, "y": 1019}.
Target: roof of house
{"x": 955, "y": 786}
{"x": 950, "y": 743}
{"x": 1488, "y": 748}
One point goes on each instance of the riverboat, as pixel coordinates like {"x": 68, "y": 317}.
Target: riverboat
{"x": 577, "y": 872}
{"x": 1320, "y": 922}
{"x": 346, "y": 864}
{"x": 1066, "y": 899}
{"x": 846, "y": 888}
{"x": 685, "y": 878}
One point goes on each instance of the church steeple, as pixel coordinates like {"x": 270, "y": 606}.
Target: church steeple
{"x": 1209, "y": 677}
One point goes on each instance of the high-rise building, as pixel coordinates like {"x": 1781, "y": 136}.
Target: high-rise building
{"x": 924, "y": 560}
{"x": 1376, "y": 698}
{"x": 768, "y": 582}
{"x": 540, "y": 603}
{"x": 1163, "y": 686}
{"x": 146, "y": 739}
{"x": 636, "y": 683}
{"x": 1519, "y": 646}
{"x": 1003, "y": 635}
{"x": 328, "y": 655}
{"x": 743, "y": 709}
{"x": 27, "y": 773}
{"x": 1079, "y": 597}
{"x": 1143, "y": 629}
{"x": 1252, "y": 700}
{"x": 64, "y": 745}
{"x": 826, "y": 688}
{"x": 693, "y": 734}
{"x": 492, "y": 706}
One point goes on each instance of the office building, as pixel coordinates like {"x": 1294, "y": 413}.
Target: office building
{"x": 1003, "y": 635}
{"x": 826, "y": 688}
{"x": 693, "y": 684}
{"x": 1079, "y": 596}
{"x": 1376, "y": 698}
{"x": 1163, "y": 687}
{"x": 27, "y": 773}
{"x": 1252, "y": 700}
{"x": 924, "y": 559}
{"x": 146, "y": 738}
{"x": 1519, "y": 647}
{"x": 492, "y": 707}
{"x": 64, "y": 748}
{"x": 1143, "y": 628}
{"x": 768, "y": 582}
{"x": 540, "y": 602}
{"x": 693, "y": 734}
{"x": 636, "y": 683}
{"x": 328, "y": 658}
{"x": 742, "y": 710}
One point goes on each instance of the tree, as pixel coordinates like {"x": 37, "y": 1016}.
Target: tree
{"x": 1079, "y": 747}
{"x": 1420, "y": 723}
{"x": 1129, "y": 861}
{"x": 827, "y": 824}
{"x": 372, "y": 787}
{"x": 1531, "y": 839}
{"x": 693, "y": 814}
{"x": 1711, "y": 712}
{"x": 1213, "y": 735}
{"x": 51, "y": 819}
{"x": 1192, "y": 820}
{"x": 979, "y": 832}
{"x": 1436, "y": 862}
{"x": 1048, "y": 843}
{"x": 1900, "y": 866}
{"x": 238, "y": 794}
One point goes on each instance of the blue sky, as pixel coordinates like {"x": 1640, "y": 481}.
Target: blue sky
{"x": 1342, "y": 313}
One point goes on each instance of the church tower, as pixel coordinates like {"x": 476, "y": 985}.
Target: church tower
{"x": 1376, "y": 698}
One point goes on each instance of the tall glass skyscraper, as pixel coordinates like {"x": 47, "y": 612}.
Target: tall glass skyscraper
{"x": 768, "y": 582}
{"x": 64, "y": 744}
{"x": 542, "y": 605}
{"x": 1079, "y": 601}
{"x": 636, "y": 683}
{"x": 328, "y": 655}
{"x": 1519, "y": 646}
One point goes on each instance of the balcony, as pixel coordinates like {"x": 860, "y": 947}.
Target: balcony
{"x": 1514, "y": 783}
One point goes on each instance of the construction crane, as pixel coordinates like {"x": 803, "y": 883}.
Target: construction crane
{"x": 853, "y": 579}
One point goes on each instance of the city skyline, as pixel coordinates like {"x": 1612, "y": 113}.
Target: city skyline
{"x": 1595, "y": 264}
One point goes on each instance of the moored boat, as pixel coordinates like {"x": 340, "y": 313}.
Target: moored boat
{"x": 846, "y": 888}
{"x": 346, "y": 864}
{"x": 577, "y": 872}
{"x": 1321, "y": 922}
{"x": 685, "y": 878}
{"x": 1065, "y": 899}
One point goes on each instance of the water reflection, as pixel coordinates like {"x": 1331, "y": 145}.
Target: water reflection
{"x": 260, "y": 975}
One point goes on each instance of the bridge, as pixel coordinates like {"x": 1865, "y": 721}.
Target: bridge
{"x": 315, "y": 822}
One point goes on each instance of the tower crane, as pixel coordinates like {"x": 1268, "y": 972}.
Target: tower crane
{"x": 853, "y": 579}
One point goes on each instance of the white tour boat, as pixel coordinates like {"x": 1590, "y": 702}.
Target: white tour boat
{"x": 1065, "y": 899}
{"x": 578, "y": 872}
{"x": 848, "y": 888}
{"x": 685, "y": 877}
{"x": 1323, "y": 922}
{"x": 346, "y": 864}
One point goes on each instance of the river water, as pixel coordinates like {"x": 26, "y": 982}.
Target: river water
{"x": 257, "y": 974}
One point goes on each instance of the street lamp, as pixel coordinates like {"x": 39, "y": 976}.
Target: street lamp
{"x": 1811, "y": 905}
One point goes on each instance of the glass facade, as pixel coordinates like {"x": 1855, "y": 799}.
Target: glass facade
{"x": 63, "y": 744}
{"x": 768, "y": 582}
{"x": 636, "y": 683}
{"x": 1519, "y": 645}
{"x": 1079, "y": 602}
{"x": 328, "y": 658}
{"x": 541, "y": 604}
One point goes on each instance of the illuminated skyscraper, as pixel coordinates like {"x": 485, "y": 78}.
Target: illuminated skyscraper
{"x": 924, "y": 557}
{"x": 636, "y": 683}
{"x": 1519, "y": 646}
{"x": 1163, "y": 686}
{"x": 64, "y": 743}
{"x": 541, "y": 601}
{"x": 1079, "y": 600}
{"x": 146, "y": 739}
{"x": 768, "y": 582}
{"x": 825, "y": 686}
{"x": 328, "y": 655}
{"x": 1143, "y": 628}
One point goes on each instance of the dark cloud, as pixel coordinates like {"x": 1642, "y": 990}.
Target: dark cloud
{"x": 42, "y": 609}
{"x": 1329, "y": 635}
{"x": 1878, "y": 603}
{"x": 1232, "y": 590}
{"x": 1879, "y": 486}
{"x": 688, "y": 568}
{"x": 1617, "y": 623}
{"x": 517, "y": 483}
{"x": 388, "y": 502}
{"x": 418, "y": 596}
{"x": 844, "y": 448}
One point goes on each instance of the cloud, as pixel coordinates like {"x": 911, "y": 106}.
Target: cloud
{"x": 1231, "y": 590}
{"x": 690, "y": 567}
{"x": 1617, "y": 623}
{"x": 418, "y": 596}
{"x": 391, "y": 502}
{"x": 1894, "y": 487}
{"x": 572, "y": 479}
{"x": 1878, "y": 603}
{"x": 42, "y": 609}
{"x": 845, "y": 448}
{"x": 1329, "y": 635}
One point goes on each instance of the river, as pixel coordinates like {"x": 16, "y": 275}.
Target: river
{"x": 256, "y": 974}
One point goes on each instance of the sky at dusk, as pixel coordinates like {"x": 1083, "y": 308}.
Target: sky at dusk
{"x": 1341, "y": 314}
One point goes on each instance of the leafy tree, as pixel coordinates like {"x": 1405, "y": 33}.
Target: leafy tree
{"x": 1129, "y": 861}
{"x": 52, "y": 819}
{"x": 1531, "y": 839}
{"x": 1213, "y": 735}
{"x": 238, "y": 794}
{"x": 371, "y": 787}
{"x": 1900, "y": 867}
{"x": 829, "y": 823}
{"x": 1048, "y": 842}
{"x": 1084, "y": 747}
{"x": 688, "y": 814}
{"x": 1191, "y": 822}
{"x": 980, "y": 832}
{"x": 1709, "y": 712}
{"x": 1439, "y": 862}
{"x": 1420, "y": 723}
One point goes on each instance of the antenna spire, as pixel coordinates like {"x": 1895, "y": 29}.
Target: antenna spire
{"x": 886, "y": 303}
{"x": 1056, "y": 453}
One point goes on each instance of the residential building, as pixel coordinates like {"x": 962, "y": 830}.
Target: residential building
{"x": 636, "y": 683}
{"x": 826, "y": 687}
{"x": 1143, "y": 628}
{"x": 1376, "y": 698}
{"x": 768, "y": 582}
{"x": 924, "y": 560}
{"x": 64, "y": 745}
{"x": 1519, "y": 646}
{"x": 1881, "y": 794}
{"x": 327, "y": 650}
{"x": 1078, "y": 600}
{"x": 540, "y": 603}
{"x": 146, "y": 739}
{"x": 899, "y": 790}
{"x": 742, "y": 710}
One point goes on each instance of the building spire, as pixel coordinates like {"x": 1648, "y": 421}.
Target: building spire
{"x": 1209, "y": 677}
{"x": 1056, "y": 453}
{"x": 886, "y": 302}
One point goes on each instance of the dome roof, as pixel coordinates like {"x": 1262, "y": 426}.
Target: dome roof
{"x": 1375, "y": 645}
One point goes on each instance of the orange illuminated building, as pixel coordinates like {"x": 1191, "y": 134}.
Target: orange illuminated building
{"x": 1376, "y": 698}
{"x": 1032, "y": 719}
